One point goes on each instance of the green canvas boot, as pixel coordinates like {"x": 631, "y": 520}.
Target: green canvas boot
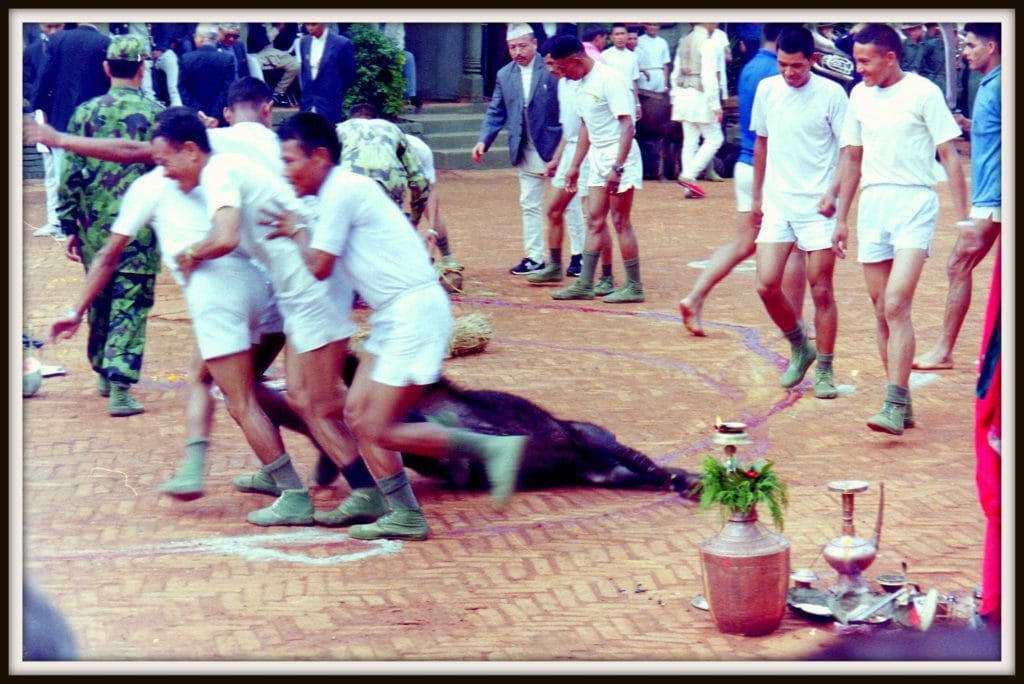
{"x": 103, "y": 385}
{"x": 891, "y": 419}
{"x": 401, "y": 523}
{"x": 605, "y": 286}
{"x": 188, "y": 482}
{"x": 258, "y": 483}
{"x": 908, "y": 417}
{"x": 293, "y": 507}
{"x": 449, "y": 263}
{"x": 502, "y": 458}
{"x": 122, "y": 403}
{"x": 632, "y": 291}
{"x": 362, "y": 506}
{"x": 552, "y": 273}
{"x": 578, "y": 290}
{"x": 799, "y": 361}
{"x": 824, "y": 385}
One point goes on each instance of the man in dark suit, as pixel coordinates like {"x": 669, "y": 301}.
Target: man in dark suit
{"x": 533, "y": 133}
{"x": 228, "y": 41}
{"x": 206, "y": 74}
{"x": 71, "y": 73}
{"x": 328, "y": 70}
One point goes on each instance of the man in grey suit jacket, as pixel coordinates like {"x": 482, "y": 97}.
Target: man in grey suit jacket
{"x": 533, "y": 133}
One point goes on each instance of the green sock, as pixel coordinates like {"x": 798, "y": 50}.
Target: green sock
{"x": 358, "y": 475}
{"x": 556, "y": 255}
{"x": 587, "y": 268}
{"x": 398, "y": 492}
{"x": 632, "y": 267}
{"x": 895, "y": 394}
{"x": 795, "y": 337}
{"x": 196, "y": 448}
{"x": 283, "y": 473}
{"x": 442, "y": 246}
{"x": 825, "y": 361}
{"x": 606, "y": 270}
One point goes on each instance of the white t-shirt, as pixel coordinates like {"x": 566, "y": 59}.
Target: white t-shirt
{"x": 233, "y": 180}
{"x": 252, "y": 140}
{"x": 603, "y": 97}
{"x": 899, "y": 128}
{"x": 624, "y": 61}
{"x": 177, "y": 219}
{"x": 720, "y": 41}
{"x": 653, "y": 54}
{"x": 424, "y": 156}
{"x": 377, "y": 248}
{"x": 568, "y": 114}
{"x": 802, "y": 126}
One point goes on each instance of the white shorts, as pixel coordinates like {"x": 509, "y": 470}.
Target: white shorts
{"x": 602, "y": 160}
{"x": 743, "y": 184}
{"x": 231, "y": 304}
{"x": 312, "y": 319}
{"x": 563, "y": 169}
{"x": 810, "y": 235}
{"x": 993, "y": 214}
{"x": 892, "y": 217}
{"x": 410, "y": 337}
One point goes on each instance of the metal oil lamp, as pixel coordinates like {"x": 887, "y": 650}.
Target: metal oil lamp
{"x": 849, "y": 555}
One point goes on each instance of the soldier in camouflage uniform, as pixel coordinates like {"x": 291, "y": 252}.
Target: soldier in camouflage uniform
{"x": 90, "y": 197}
{"x": 378, "y": 149}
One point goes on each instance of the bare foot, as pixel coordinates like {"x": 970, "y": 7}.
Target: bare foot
{"x": 691, "y": 318}
{"x": 932, "y": 361}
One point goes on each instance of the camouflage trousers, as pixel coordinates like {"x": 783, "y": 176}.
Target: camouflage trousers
{"x": 117, "y": 326}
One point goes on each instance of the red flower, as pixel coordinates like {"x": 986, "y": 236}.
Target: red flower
{"x": 751, "y": 473}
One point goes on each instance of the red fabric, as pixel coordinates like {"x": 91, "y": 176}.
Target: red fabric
{"x": 988, "y": 467}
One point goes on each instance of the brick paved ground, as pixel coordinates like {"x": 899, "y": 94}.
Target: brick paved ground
{"x": 564, "y": 575}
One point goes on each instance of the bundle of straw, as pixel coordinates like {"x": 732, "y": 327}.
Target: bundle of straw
{"x": 470, "y": 334}
{"x": 451, "y": 280}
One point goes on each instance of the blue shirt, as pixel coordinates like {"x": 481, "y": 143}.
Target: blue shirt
{"x": 761, "y": 66}
{"x": 986, "y": 142}
{"x": 748, "y": 31}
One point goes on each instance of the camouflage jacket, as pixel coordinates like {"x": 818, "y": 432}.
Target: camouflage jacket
{"x": 378, "y": 149}
{"x": 91, "y": 189}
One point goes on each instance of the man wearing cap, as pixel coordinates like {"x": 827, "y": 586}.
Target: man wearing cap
{"x": 526, "y": 100}
{"x": 90, "y": 198}
{"x": 921, "y": 56}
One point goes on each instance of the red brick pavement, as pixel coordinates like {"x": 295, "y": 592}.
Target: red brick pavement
{"x": 563, "y": 575}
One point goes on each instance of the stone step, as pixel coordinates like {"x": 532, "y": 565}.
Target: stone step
{"x": 459, "y": 140}
{"x": 446, "y": 123}
{"x": 462, "y": 159}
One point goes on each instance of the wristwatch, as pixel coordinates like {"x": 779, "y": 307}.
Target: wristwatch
{"x": 618, "y": 169}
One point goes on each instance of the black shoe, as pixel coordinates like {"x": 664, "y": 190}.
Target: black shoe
{"x": 575, "y": 264}
{"x": 281, "y": 100}
{"x": 27, "y": 342}
{"x": 526, "y": 266}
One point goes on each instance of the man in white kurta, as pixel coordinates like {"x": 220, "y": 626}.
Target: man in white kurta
{"x": 697, "y": 104}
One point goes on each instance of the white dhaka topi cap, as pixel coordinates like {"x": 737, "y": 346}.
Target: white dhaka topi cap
{"x": 516, "y": 30}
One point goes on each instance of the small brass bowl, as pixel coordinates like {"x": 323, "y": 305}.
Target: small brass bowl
{"x": 891, "y": 583}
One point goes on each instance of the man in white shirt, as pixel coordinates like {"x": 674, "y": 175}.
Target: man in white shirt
{"x": 655, "y": 61}
{"x": 895, "y": 124}
{"x": 697, "y": 103}
{"x": 798, "y": 116}
{"x": 564, "y": 207}
{"x": 606, "y": 139}
{"x": 623, "y": 60}
{"x": 367, "y": 238}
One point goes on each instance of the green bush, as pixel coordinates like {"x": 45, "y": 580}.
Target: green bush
{"x": 379, "y": 78}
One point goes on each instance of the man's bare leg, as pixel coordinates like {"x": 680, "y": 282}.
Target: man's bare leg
{"x": 771, "y": 267}
{"x": 959, "y": 270}
{"x": 904, "y": 272}
{"x": 555, "y": 215}
{"x": 620, "y": 207}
